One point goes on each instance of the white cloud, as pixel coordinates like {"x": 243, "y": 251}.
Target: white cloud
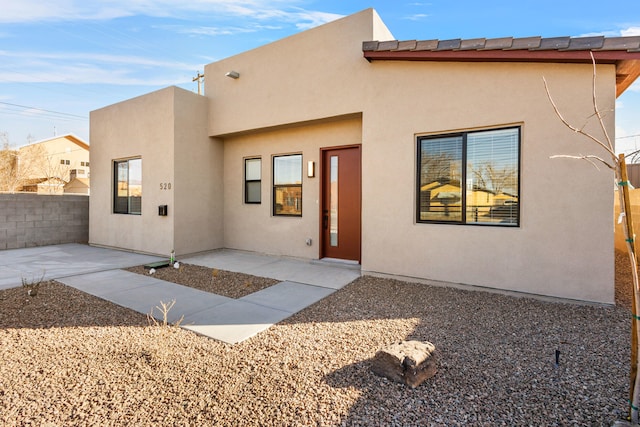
{"x": 217, "y": 31}
{"x": 417, "y": 16}
{"x": 624, "y": 32}
{"x": 39, "y": 57}
{"x": 631, "y": 31}
{"x": 91, "y": 68}
{"x": 25, "y": 11}
{"x": 92, "y": 74}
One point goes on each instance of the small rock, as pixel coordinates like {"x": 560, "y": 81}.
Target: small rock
{"x": 152, "y": 270}
{"x": 407, "y": 362}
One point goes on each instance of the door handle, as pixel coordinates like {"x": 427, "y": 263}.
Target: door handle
{"x": 325, "y": 219}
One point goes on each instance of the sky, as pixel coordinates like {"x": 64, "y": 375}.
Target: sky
{"x": 61, "y": 59}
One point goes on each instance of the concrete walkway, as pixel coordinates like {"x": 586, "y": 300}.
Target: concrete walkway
{"x": 97, "y": 272}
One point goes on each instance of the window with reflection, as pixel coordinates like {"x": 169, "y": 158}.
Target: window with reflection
{"x": 470, "y": 178}
{"x": 127, "y": 186}
{"x": 287, "y": 185}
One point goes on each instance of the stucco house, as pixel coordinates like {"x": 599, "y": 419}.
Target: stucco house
{"x": 45, "y": 166}
{"x": 323, "y": 145}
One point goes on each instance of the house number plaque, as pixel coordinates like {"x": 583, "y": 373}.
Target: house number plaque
{"x": 165, "y": 186}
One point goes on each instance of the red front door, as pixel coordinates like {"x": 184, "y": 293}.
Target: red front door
{"x": 341, "y": 203}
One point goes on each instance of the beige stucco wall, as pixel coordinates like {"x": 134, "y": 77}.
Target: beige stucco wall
{"x": 198, "y": 202}
{"x": 311, "y": 75}
{"x": 315, "y": 90}
{"x": 141, "y": 127}
{"x": 167, "y": 129}
{"x": 563, "y": 246}
{"x": 252, "y": 226}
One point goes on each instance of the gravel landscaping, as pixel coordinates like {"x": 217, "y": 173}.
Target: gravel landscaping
{"x": 225, "y": 283}
{"x": 69, "y": 358}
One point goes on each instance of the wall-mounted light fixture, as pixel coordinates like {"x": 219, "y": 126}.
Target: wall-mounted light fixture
{"x": 311, "y": 168}
{"x": 233, "y": 74}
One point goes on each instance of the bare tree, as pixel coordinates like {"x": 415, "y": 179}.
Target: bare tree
{"x": 494, "y": 178}
{"x": 438, "y": 168}
{"x": 29, "y": 165}
{"x": 616, "y": 163}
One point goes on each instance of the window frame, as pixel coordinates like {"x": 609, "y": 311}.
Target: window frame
{"x": 288, "y": 185}
{"x": 249, "y": 181}
{"x": 115, "y": 180}
{"x": 463, "y": 202}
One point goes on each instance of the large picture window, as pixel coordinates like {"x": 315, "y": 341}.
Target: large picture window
{"x": 252, "y": 180}
{"x": 470, "y": 178}
{"x": 287, "y": 185}
{"x": 127, "y": 186}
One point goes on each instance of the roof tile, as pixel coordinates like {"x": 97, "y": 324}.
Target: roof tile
{"x": 406, "y": 45}
{"x": 449, "y": 44}
{"x": 369, "y": 46}
{"x": 621, "y": 43}
{"x": 472, "y": 44}
{"x": 586, "y": 43}
{"x": 526, "y": 43}
{"x": 500, "y": 43}
{"x": 426, "y": 45}
{"x": 554, "y": 43}
{"x": 389, "y": 45}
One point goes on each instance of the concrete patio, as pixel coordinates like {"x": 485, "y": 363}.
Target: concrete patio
{"x": 98, "y": 271}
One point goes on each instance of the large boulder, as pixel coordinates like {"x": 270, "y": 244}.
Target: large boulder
{"x": 407, "y": 362}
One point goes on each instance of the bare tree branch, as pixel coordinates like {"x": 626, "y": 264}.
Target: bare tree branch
{"x": 596, "y": 109}
{"x": 580, "y": 131}
{"x": 589, "y": 158}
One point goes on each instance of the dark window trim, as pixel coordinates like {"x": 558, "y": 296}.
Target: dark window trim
{"x": 275, "y": 187}
{"x": 463, "y": 179}
{"x": 247, "y": 181}
{"x": 114, "y": 181}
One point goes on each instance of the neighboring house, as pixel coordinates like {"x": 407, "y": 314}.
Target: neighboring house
{"x": 77, "y": 186}
{"x": 47, "y": 165}
{"x": 320, "y": 146}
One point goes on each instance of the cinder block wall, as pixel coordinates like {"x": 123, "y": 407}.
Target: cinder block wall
{"x": 28, "y": 220}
